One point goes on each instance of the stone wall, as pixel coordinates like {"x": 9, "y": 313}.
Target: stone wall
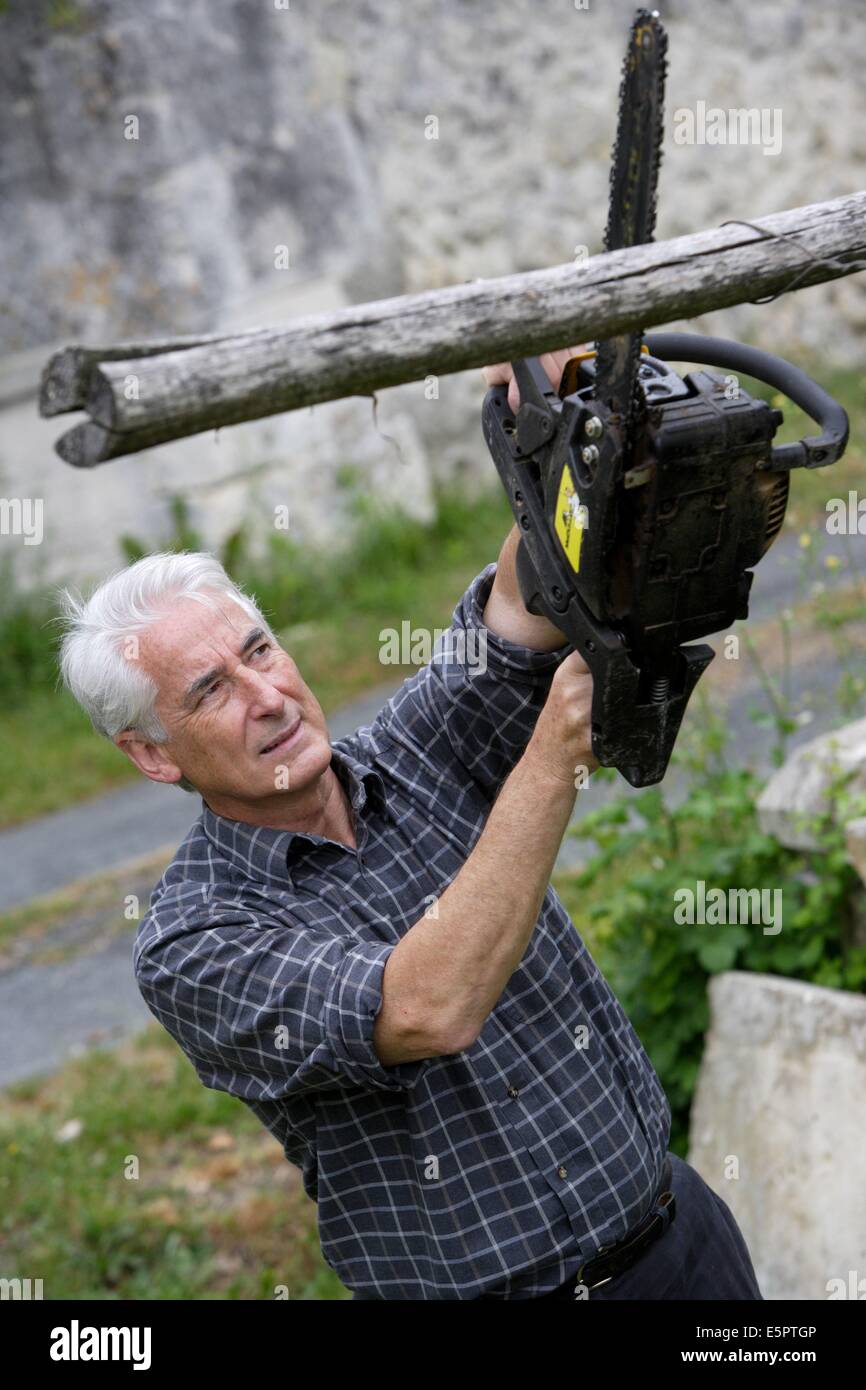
{"x": 777, "y": 1129}
{"x": 266, "y": 124}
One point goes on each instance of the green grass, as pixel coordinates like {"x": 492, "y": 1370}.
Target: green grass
{"x": 50, "y": 757}
{"x": 216, "y": 1212}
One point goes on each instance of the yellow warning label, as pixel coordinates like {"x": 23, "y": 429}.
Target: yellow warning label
{"x": 571, "y": 518}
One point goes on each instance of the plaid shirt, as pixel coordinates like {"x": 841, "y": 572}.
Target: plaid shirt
{"x": 495, "y": 1170}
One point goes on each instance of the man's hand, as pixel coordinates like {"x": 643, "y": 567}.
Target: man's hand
{"x": 561, "y": 741}
{"x": 552, "y": 362}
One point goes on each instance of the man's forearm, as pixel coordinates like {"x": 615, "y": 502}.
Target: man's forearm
{"x": 447, "y": 973}
{"x": 505, "y": 612}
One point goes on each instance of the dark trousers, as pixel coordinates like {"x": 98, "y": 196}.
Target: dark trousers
{"x": 702, "y": 1254}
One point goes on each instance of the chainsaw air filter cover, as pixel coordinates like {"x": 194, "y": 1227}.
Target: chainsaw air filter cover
{"x": 640, "y": 533}
{"x": 665, "y": 547}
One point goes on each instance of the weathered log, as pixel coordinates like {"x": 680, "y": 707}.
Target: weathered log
{"x": 150, "y": 398}
{"x": 65, "y": 380}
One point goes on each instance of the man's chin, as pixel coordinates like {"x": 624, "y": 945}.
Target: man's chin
{"x": 299, "y": 765}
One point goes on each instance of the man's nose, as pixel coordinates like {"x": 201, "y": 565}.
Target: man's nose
{"x": 265, "y": 697}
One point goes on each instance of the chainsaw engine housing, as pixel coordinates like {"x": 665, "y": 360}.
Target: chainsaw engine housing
{"x": 639, "y": 536}
{"x": 667, "y": 545}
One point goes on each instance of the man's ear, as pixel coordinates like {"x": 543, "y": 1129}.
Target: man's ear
{"x": 149, "y": 758}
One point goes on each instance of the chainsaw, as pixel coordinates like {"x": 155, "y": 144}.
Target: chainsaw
{"x": 645, "y": 498}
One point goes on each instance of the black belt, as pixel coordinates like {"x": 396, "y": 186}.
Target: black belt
{"x": 611, "y": 1261}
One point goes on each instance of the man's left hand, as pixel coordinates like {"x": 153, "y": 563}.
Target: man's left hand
{"x": 552, "y": 362}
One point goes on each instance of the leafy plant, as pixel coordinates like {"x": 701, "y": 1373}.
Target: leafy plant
{"x": 27, "y": 659}
{"x": 649, "y": 850}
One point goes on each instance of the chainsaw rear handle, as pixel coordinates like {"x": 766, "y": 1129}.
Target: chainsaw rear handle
{"x": 813, "y": 452}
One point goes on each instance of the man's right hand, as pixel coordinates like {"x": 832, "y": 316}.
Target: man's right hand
{"x": 561, "y": 742}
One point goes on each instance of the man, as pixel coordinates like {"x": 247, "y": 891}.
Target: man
{"x": 360, "y": 941}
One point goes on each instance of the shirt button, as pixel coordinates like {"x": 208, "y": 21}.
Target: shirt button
{"x": 562, "y": 1171}
{"x": 513, "y": 1092}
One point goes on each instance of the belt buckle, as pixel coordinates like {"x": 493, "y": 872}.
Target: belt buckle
{"x": 664, "y": 1207}
{"x": 578, "y": 1278}
{"x": 598, "y": 1283}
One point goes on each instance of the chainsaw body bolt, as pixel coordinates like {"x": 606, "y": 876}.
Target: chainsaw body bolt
{"x": 589, "y": 454}
{"x": 593, "y": 429}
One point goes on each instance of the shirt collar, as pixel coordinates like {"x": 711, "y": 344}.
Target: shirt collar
{"x": 262, "y": 853}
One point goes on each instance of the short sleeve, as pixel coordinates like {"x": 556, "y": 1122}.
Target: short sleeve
{"x": 473, "y": 707}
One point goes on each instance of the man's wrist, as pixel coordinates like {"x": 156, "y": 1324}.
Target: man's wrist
{"x": 505, "y": 612}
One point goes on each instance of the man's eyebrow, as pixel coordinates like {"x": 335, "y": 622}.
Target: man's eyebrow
{"x": 201, "y": 683}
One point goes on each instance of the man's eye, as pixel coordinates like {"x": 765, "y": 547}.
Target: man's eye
{"x": 263, "y": 647}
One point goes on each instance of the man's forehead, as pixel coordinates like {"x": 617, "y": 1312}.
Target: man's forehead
{"x": 189, "y": 620}
{"x": 189, "y": 628}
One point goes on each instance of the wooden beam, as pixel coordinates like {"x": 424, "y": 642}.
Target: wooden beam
{"x": 65, "y": 379}
{"x": 159, "y": 392}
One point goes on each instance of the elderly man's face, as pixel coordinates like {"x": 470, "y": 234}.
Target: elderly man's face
{"x": 226, "y": 693}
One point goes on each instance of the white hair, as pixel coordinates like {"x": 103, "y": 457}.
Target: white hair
{"x": 113, "y": 689}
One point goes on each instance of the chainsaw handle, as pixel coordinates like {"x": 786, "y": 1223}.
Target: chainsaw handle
{"x": 812, "y": 452}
